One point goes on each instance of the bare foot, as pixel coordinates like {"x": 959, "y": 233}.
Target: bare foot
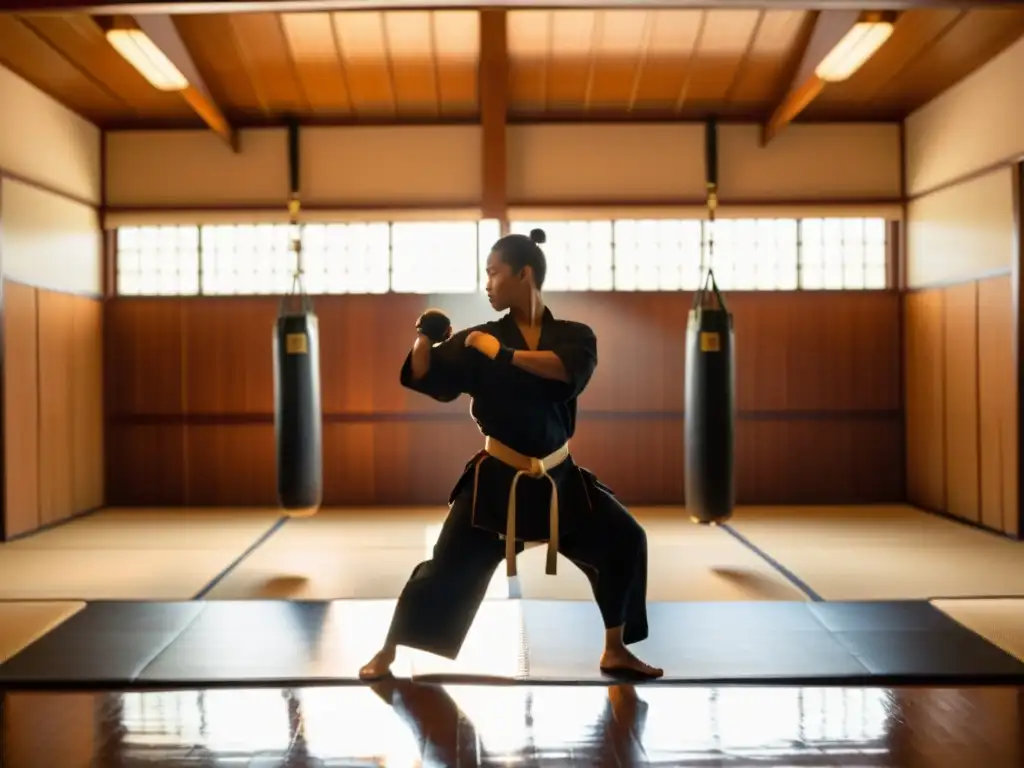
{"x": 379, "y": 666}
{"x": 619, "y": 662}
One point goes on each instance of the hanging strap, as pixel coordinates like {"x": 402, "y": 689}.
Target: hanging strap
{"x": 711, "y": 184}
{"x": 711, "y": 173}
{"x": 295, "y": 298}
{"x": 698, "y": 297}
{"x": 298, "y": 294}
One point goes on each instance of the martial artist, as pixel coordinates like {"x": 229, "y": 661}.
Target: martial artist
{"x": 524, "y": 373}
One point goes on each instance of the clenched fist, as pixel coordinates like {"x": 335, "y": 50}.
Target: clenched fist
{"x": 435, "y": 325}
{"x": 484, "y": 343}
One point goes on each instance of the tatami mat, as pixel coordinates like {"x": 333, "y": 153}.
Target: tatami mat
{"x": 176, "y": 528}
{"x": 369, "y": 554}
{"x": 685, "y": 562}
{"x": 884, "y": 552}
{"x": 1000, "y": 621}
{"x": 127, "y": 554}
{"x": 341, "y": 554}
{"x": 852, "y": 553}
{"x": 21, "y": 624}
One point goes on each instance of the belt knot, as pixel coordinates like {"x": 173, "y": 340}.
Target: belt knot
{"x": 536, "y": 468}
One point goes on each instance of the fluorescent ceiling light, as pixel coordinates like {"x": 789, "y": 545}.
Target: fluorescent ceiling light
{"x": 143, "y": 54}
{"x": 856, "y": 47}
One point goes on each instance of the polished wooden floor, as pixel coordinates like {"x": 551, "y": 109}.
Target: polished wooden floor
{"x": 405, "y": 724}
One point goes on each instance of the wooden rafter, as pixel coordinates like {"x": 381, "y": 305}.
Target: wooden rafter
{"x": 160, "y": 29}
{"x": 829, "y": 28}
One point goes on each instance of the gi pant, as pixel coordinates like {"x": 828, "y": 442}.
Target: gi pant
{"x": 438, "y": 604}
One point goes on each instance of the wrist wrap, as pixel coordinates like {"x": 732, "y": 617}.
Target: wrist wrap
{"x": 504, "y": 355}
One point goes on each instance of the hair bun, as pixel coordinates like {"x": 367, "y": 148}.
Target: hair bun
{"x": 538, "y": 236}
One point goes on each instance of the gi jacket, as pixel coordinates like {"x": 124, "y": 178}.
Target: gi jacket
{"x": 530, "y": 414}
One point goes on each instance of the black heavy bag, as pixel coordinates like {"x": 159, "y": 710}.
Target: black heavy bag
{"x": 710, "y": 408}
{"x": 297, "y": 410}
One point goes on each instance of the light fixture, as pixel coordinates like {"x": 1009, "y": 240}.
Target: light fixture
{"x": 143, "y": 54}
{"x": 857, "y": 46}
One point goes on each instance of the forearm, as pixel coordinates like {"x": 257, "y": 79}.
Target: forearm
{"x": 420, "y": 357}
{"x": 545, "y": 364}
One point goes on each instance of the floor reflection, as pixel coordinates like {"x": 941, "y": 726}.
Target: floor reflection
{"x": 398, "y": 724}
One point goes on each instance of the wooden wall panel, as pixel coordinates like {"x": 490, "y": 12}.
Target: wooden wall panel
{"x": 639, "y": 456}
{"x": 925, "y": 399}
{"x": 997, "y": 382}
{"x": 191, "y": 408}
{"x": 226, "y": 355}
{"x": 54, "y": 399}
{"x": 961, "y": 413}
{"x": 826, "y": 460}
{"x": 780, "y": 459}
{"x": 56, "y": 392}
{"x": 87, "y": 403}
{"x": 961, "y": 402}
{"x": 145, "y": 464}
{"x": 356, "y": 472}
{"x": 144, "y": 337}
{"x": 21, "y": 408}
{"x": 230, "y": 465}
{"x": 412, "y": 460}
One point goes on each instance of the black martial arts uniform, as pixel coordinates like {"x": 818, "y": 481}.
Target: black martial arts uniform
{"x": 521, "y": 415}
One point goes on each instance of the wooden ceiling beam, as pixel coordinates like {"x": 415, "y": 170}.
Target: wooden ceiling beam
{"x": 141, "y": 7}
{"x": 829, "y": 27}
{"x": 160, "y": 29}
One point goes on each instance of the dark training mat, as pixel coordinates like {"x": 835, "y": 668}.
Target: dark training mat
{"x": 847, "y": 643}
{"x": 118, "y": 645}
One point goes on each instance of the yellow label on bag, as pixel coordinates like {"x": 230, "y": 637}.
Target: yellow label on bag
{"x": 296, "y": 344}
{"x": 710, "y": 342}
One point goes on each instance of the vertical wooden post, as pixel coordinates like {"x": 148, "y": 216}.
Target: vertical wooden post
{"x": 3, "y": 382}
{"x": 897, "y": 274}
{"x": 1016, "y": 526}
{"x": 493, "y": 90}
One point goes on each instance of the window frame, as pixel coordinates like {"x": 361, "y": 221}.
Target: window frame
{"x": 487, "y": 231}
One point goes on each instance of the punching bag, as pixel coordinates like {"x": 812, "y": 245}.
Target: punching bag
{"x": 710, "y": 408}
{"x": 297, "y": 414}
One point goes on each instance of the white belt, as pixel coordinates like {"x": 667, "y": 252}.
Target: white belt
{"x": 532, "y": 467}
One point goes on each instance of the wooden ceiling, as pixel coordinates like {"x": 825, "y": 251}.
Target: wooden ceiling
{"x": 424, "y": 65}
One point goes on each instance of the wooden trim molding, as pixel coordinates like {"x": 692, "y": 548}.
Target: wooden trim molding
{"x": 990, "y": 275}
{"x": 98, "y": 296}
{"x": 1011, "y": 161}
{"x": 461, "y": 207}
{"x": 409, "y": 417}
{"x": 43, "y": 187}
